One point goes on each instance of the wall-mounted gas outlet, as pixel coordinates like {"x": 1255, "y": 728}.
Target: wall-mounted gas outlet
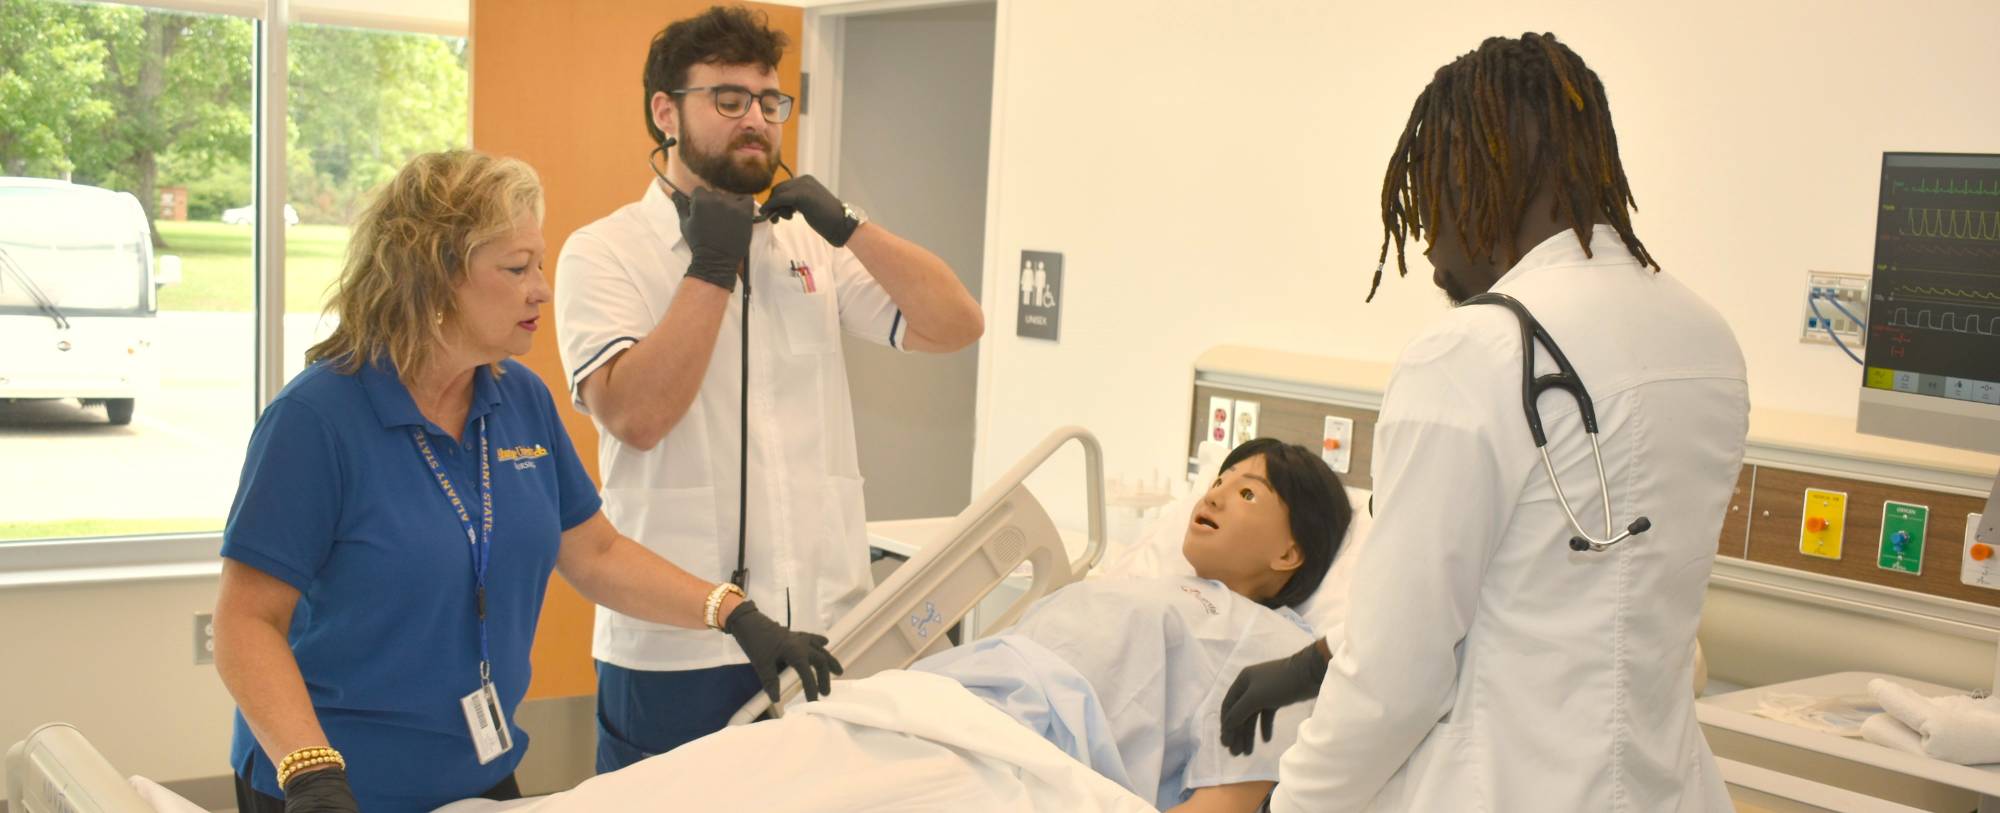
{"x": 1977, "y": 566}
{"x": 204, "y": 638}
{"x": 1850, "y": 291}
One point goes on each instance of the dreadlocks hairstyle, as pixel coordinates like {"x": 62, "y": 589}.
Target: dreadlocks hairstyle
{"x": 1467, "y": 134}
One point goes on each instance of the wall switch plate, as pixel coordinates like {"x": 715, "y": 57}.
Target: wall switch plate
{"x": 1337, "y": 443}
{"x": 1246, "y": 423}
{"x": 1902, "y": 542}
{"x": 1851, "y": 291}
{"x": 1824, "y": 523}
{"x": 204, "y": 638}
{"x": 1976, "y": 566}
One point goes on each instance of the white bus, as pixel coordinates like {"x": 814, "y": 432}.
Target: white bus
{"x": 78, "y": 295}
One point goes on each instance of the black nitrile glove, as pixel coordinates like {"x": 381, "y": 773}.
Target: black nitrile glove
{"x": 321, "y": 791}
{"x": 717, "y": 228}
{"x": 824, "y": 213}
{"x": 772, "y": 648}
{"x": 1260, "y": 690}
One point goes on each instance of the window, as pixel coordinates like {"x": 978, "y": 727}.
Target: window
{"x": 129, "y": 223}
{"x": 125, "y": 384}
{"x": 361, "y": 104}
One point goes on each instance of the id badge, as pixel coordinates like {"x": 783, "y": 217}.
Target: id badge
{"x": 488, "y": 724}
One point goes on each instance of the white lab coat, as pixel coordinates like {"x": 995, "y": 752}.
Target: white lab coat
{"x": 1484, "y": 666}
{"x": 808, "y": 548}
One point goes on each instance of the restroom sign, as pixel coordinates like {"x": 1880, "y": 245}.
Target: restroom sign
{"x": 1040, "y": 296}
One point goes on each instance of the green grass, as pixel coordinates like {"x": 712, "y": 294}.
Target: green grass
{"x": 217, "y": 266}
{"x": 81, "y": 528}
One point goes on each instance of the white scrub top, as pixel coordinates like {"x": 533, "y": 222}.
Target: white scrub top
{"x": 1485, "y": 666}
{"x": 808, "y": 550}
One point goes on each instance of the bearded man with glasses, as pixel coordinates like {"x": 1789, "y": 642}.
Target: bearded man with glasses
{"x": 702, "y": 334}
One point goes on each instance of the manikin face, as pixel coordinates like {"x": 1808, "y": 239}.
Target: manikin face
{"x": 1241, "y": 533}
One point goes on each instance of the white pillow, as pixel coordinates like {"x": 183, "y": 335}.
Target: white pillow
{"x": 1156, "y": 552}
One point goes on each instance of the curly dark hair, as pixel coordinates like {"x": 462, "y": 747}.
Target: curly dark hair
{"x": 1464, "y": 156}
{"x": 722, "y": 35}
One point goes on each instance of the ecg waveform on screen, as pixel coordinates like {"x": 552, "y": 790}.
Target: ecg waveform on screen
{"x": 1951, "y": 186}
{"x": 1944, "y": 308}
{"x": 1967, "y": 251}
{"x": 1953, "y": 224}
{"x": 1945, "y": 321}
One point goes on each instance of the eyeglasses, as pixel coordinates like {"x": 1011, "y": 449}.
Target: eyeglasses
{"x": 733, "y": 101}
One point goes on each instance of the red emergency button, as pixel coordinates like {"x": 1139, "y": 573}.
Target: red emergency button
{"x": 1332, "y": 444}
{"x": 1982, "y": 552}
{"x": 1815, "y": 524}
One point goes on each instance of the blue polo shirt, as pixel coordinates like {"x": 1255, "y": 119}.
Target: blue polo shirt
{"x": 336, "y": 500}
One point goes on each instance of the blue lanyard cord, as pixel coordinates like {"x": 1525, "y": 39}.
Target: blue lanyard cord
{"x": 481, "y": 538}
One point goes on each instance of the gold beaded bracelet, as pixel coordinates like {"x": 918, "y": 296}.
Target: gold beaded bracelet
{"x": 714, "y": 604}
{"x": 308, "y": 758}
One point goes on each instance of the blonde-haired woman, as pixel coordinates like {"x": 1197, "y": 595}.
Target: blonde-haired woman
{"x": 401, "y": 507}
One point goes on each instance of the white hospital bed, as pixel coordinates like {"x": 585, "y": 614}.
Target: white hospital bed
{"x": 899, "y": 622}
{"x": 906, "y": 616}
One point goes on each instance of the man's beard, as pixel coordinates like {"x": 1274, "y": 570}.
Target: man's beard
{"x": 720, "y": 168}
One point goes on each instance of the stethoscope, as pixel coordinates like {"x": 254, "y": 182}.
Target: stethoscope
{"x": 741, "y": 576}
{"x": 1565, "y": 379}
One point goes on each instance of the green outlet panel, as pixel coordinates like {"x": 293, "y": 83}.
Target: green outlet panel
{"x": 1903, "y": 526}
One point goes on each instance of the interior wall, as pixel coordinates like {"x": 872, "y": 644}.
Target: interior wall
{"x": 1212, "y": 173}
{"x": 116, "y": 660}
{"x": 558, "y": 85}
{"x": 916, "y": 96}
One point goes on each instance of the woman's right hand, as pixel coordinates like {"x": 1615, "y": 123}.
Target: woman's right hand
{"x": 320, "y": 791}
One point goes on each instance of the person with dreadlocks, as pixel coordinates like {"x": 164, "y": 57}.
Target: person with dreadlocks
{"x": 1484, "y": 664}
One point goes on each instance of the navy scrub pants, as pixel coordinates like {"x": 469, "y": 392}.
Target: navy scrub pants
{"x": 642, "y": 714}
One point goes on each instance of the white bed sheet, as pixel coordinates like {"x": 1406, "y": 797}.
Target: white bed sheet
{"x": 896, "y": 741}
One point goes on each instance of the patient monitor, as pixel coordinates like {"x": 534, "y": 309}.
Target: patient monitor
{"x": 1932, "y": 370}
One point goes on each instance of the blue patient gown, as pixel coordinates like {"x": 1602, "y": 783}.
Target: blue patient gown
{"x": 1128, "y": 676}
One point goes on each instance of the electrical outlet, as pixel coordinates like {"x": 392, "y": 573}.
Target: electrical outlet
{"x": 1851, "y": 292}
{"x": 204, "y": 638}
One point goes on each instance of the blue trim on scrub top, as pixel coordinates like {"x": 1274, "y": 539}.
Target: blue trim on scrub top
{"x": 598, "y": 355}
{"x": 893, "y": 326}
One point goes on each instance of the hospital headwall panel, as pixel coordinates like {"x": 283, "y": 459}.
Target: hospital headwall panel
{"x": 1776, "y": 516}
{"x": 1294, "y": 394}
{"x": 1293, "y": 420}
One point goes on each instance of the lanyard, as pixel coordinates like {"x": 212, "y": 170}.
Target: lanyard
{"x": 481, "y": 538}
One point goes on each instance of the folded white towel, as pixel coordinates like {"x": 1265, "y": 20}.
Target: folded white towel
{"x": 1884, "y": 730}
{"x": 1954, "y": 728}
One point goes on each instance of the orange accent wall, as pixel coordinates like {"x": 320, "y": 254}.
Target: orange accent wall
{"x": 558, "y": 85}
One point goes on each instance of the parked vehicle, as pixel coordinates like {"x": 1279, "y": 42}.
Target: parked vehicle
{"x": 79, "y": 293}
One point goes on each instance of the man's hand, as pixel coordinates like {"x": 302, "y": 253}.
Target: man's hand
{"x": 772, "y": 648}
{"x": 823, "y": 212}
{"x": 717, "y": 228}
{"x": 1260, "y": 690}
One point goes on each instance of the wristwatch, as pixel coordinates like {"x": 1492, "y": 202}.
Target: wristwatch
{"x": 855, "y": 217}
